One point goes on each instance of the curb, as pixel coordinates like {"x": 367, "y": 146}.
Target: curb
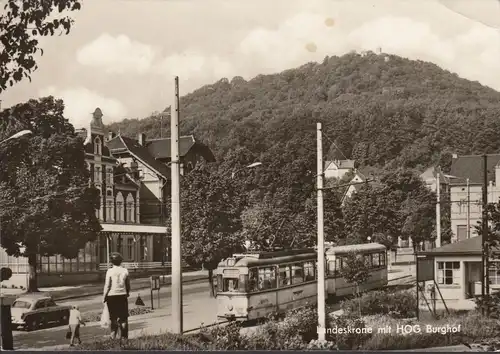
{"x": 95, "y": 293}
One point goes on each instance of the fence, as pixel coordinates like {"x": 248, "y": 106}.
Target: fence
{"x": 139, "y": 265}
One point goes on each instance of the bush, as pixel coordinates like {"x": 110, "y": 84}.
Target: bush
{"x": 492, "y": 302}
{"x": 393, "y": 341}
{"x": 401, "y": 304}
{"x": 167, "y": 341}
{"x": 95, "y": 316}
{"x": 347, "y": 341}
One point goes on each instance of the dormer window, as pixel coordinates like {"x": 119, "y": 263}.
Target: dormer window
{"x": 97, "y": 146}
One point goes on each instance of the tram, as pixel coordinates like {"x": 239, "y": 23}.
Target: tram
{"x": 254, "y": 285}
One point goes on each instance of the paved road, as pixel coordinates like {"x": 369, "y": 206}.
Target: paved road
{"x": 198, "y": 308}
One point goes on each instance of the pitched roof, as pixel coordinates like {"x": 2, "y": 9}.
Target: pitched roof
{"x": 161, "y": 148}
{"x": 429, "y": 175}
{"x": 121, "y": 144}
{"x": 471, "y": 166}
{"x": 470, "y": 246}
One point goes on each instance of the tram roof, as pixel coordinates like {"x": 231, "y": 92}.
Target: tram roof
{"x": 255, "y": 262}
{"x": 356, "y": 248}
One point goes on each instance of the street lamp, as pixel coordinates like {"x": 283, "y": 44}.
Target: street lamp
{"x": 255, "y": 164}
{"x": 17, "y": 135}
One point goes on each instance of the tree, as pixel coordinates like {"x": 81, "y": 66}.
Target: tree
{"x": 22, "y": 23}
{"x": 48, "y": 207}
{"x": 210, "y": 219}
{"x": 355, "y": 270}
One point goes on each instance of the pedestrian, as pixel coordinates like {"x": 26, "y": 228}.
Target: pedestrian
{"x": 75, "y": 320}
{"x": 115, "y": 295}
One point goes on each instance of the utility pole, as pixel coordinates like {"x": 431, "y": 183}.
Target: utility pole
{"x": 485, "y": 265}
{"x": 321, "y": 240}
{"x": 438, "y": 208}
{"x": 176, "y": 218}
{"x": 468, "y": 208}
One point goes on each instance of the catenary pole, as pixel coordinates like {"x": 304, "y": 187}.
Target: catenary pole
{"x": 321, "y": 239}
{"x": 176, "y": 218}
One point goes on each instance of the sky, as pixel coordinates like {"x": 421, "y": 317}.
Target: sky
{"x": 123, "y": 55}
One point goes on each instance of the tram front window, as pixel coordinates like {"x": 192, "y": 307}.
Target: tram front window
{"x": 230, "y": 284}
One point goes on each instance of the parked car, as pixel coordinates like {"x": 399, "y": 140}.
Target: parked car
{"x": 32, "y": 311}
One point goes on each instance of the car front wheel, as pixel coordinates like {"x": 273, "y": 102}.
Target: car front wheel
{"x": 32, "y": 324}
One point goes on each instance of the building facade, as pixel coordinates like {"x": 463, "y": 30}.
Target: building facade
{"x": 466, "y": 192}
{"x": 457, "y": 269}
{"x": 133, "y": 178}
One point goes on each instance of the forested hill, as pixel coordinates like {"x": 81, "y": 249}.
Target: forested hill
{"x": 378, "y": 109}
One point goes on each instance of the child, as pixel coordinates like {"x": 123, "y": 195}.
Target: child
{"x": 75, "y": 320}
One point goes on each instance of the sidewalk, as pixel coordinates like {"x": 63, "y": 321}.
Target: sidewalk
{"x": 84, "y": 290}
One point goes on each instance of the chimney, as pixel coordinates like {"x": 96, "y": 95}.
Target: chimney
{"x": 142, "y": 139}
{"x": 111, "y": 135}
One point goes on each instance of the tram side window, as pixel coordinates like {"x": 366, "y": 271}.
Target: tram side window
{"x": 331, "y": 268}
{"x": 382, "y": 259}
{"x": 285, "y": 278}
{"x": 376, "y": 260}
{"x": 339, "y": 264}
{"x": 253, "y": 280}
{"x": 267, "y": 278}
{"x": 368, "y": 260}
{"x": 297, "y": 273}
{"x": 309, "y": 273}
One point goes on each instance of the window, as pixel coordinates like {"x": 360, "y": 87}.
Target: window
{"x": 142, "y": 248}
{"x": 130, "y": 210}
{"x": 50, "y": 303}
{"x": 382, "y": 259}
{"x": 339, "y": 264}
{"x": 331, "y": 268}
{"x": 367, "y": 258}
{"x": 461, "y": 232}
{"x": 119, "y": 207}
{"x": 230, "y": 284}
{"x": 253, "y": 282}
{"x": 376, "y": 260}
{"x": 285, "y": 278}
{"x": 267, "y": 278}
{"x": 97, "y": 146}
{"x": 109, "y": 173}
{"x": 309, "y": 272}
{"x": 97, "y": 174}
{"x": 494, "y": 273}
{"x": 40, "y": 304}
{"x": 21, "y": 304}
{"x": 130, "y": 248}
{"x": 109, "y": 210}
{"x": 297, "y": 273}
{"x": 448, "y": 273}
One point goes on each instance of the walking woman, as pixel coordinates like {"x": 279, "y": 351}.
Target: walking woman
{"x": 116, "y": 293}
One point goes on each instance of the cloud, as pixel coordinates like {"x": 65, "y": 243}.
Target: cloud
{"x": 473, "y": 54}
{"x": 80, "y": 103}
{"x": 117, "y": 54}
{"x": 191, "y": 65}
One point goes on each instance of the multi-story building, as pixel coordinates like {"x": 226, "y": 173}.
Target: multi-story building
{"x": 133, "y": 178}
{"x": 466, "y": 192}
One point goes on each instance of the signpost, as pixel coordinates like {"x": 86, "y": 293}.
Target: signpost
{"x": 155, "y": 285}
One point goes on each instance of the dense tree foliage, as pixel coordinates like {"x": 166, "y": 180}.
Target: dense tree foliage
{"x": 211, "y": 224}
{"x": 392, "y": 115}
{"x": 398, "y": 204}
{"x": 378, "y": 109}
{"x": 47, "y": 206}
{"x": 22, "y": 23}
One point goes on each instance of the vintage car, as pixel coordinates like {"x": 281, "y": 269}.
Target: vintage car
{"x": 32, "y": 311}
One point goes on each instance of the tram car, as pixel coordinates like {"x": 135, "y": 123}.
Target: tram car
{"x": 254, "y": 285}
{"x": 375, "y": 256}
